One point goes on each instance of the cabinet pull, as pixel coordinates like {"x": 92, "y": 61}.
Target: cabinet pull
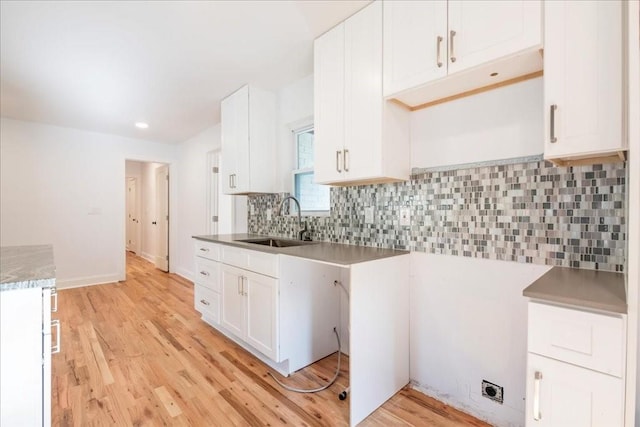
{"x": 204, "y": 273}
{"x": 345, "y": 158}
{"x": 244, "y": 292}
{"x": 537, "y": 416}
{"x": 453, "y": 55}
{"x": 204, "y": 249}
{"x": 239, "y": 285}
{"x": 54, "y": 305}
{"x": 230, "y": 181}
{"x": 338, "y": 153}
{"x": 552, "y": 123}
{"x": 56, "y": 348}
{"x": 205, "y": 302}
{"x": 438, "y": 51}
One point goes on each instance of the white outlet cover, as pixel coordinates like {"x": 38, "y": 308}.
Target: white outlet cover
{"x": 405, "y": 217}
{"x": 252, "y": 210}
{"x": 268, "y": 214}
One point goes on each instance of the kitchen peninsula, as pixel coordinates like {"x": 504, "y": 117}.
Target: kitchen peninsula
{"x": 281, "y": 303}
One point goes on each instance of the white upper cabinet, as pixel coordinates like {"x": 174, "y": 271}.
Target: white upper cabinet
{"x": 583, "y": 80}
{"x": 415, "y": 43}
{"x": 248, "y": 141}
{"x": 328, "y": 95}
{"x": 474, "y": 44}
{"x": 360, "y": 137}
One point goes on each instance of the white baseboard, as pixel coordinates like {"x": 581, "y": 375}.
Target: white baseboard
{"x": 86, "y": 281}
{"x": 182, "y": 272}
{"x": 149, "y": 257}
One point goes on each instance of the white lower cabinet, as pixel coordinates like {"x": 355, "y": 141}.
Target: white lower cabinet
{"x": 25, "y": 357}
{"x": 561, "y": 394}
{"x": 575, "y": 367}
{"x": 249, "y": 308}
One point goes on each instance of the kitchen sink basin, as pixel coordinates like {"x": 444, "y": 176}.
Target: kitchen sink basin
{"x": 277, "y": 243}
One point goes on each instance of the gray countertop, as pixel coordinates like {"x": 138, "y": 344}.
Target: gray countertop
{"x": 600, "y": 290}
{"x": 27, "y": 267}
{"x": 333, "y": 253}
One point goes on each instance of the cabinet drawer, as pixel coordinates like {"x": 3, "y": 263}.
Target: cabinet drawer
{"x": 594, "y": 341}
{"x": 259, "y": 262}
{"x": 207, "y": 302}
{"x": 208, "y": 274}
{"x": 208, "y": 250}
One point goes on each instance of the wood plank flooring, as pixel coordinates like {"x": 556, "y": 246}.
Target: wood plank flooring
{"x": 136, "y": 353}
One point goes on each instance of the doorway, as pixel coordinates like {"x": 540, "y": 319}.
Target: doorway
{"x": 147, "y": 211}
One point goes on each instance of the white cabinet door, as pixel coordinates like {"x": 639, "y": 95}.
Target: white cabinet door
{"x": 566, "y": 395}
{"x": 235, "y": 141}
{"x": 329, "y": 105}
{"x": 233, "y": 304}
{"x": 21, "y": 357}
{"x": 583, "y": 78}
{"x": 482, "y": 31}
{"x": 363, "y": 93}
{"x": 415, "y": 43}
{"x": 262, "y": 299}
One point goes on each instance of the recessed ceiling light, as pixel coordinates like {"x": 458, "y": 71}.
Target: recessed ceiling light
{"x": 141, "y": 125}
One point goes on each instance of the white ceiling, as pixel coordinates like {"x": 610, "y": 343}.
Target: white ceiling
{"x": 102, "y": 66}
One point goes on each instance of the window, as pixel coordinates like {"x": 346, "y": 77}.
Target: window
{"x": 312, "y": 197}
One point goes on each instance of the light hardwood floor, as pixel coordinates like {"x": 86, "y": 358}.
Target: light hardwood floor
{"x": 136, "y": 353}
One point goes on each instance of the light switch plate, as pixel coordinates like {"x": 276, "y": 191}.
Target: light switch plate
{"x": 405, "y": 217}
{"x": 252, "y": 209}
{"x": 268, "y": 214}
{"x": 368, "y": 215}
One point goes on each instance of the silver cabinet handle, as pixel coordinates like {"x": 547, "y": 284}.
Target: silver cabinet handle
{"x": 205, "y": 273}
{"x": 345, "y": 158}
{"x": 438, "y": 51}
{"x": 537, "y": 416}
{"x": 54, "y": 305}
{"x": 239, "y": 285}
{"x": 204, "y": 250}
{"x": 452, "y": 52}
{"x": 338, "y": 153}
{"x": 244, "y": 291}
{"x": 56, "y": 348}
{"x": 230, "y": 182}
{"x": 205, "y": 302}
{"x": 552, "y": 123}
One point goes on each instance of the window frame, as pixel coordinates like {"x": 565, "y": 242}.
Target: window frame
{"x": 298, "y": 128}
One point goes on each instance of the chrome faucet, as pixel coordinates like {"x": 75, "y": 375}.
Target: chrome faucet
{"x": 302, "y": 226}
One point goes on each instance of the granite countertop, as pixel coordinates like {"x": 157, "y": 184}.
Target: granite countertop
{"x": 600, "y": 290}
{"x": 332, "y": 253}
{"x": 27, "y": 267}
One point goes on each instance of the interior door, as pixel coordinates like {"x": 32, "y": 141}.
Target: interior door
{"x": 133, "y": 220}
{"x": 162, "y": 218}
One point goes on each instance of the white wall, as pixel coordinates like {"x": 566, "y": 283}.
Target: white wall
{"x": 66, "y": 187}
{"x": 295, "y": 105}
{"x": 469, "y": 323}
{"x": 499, "y": 124}
{"x": 192, "y": 191}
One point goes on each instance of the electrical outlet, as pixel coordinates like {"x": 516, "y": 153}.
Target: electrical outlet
{"x": 492, "y": 391}
{"x": 405, "y": 216}
{"x": 368, "y": 215}
{"x": 268, "y": 214}
{"x": 252, "y": 209}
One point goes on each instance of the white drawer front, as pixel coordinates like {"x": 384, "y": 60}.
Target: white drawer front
{"x": 259, "y": 262}
{"x": 208, "y": 274}
{"x": 208, "y": 250}
{"x": 594, "y": 341}
{"x": 207, "y": 302}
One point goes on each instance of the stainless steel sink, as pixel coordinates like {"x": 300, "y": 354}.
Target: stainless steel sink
{"x": 276, "y": 242}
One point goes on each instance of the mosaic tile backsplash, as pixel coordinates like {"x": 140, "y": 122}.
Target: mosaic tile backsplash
{"x": 532, "y": 212}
